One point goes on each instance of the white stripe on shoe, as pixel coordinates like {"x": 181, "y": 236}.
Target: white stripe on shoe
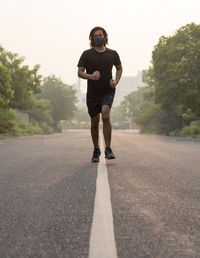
{"x": 102, "y": 239}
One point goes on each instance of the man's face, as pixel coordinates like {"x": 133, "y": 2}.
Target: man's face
{"x": 99, "y": 33}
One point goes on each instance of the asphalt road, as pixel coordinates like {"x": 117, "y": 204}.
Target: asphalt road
{"x": 48, "y": 185}
{"x": 155, "y": 192}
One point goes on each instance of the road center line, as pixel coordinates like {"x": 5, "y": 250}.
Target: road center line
{"x": 102, "y": 239}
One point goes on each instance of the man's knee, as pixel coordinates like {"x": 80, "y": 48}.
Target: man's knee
{"x": 105, "y": 117}
{"x": 95, "y": 122}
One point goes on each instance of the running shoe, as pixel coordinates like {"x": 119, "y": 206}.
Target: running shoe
{"x": 96, "y": 154}
{"x": 108, "y": 153}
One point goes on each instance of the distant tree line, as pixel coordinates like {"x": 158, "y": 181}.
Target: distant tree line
{"x": 170, "y": 104}
{"x": 47, "y": 101}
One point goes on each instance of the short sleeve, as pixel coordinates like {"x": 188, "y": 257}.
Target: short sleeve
{"x": 117, "y": 59}
{"x": 82, "y": 60}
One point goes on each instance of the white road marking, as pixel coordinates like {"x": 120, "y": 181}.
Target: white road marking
{"x": 102, "y": 239}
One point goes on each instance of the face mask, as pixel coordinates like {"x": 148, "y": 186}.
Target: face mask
{"x": 98, "y": 41}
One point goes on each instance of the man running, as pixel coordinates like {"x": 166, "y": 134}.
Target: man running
{"x": 98, "y": 62}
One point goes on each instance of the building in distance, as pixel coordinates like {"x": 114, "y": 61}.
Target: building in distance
{"x": 81, "y": 96}
{"x": 126, "y": 85}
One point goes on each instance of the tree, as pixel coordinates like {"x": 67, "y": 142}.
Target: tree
{"x": 176, "y": 65}
{"x": 118, "y": 114}
{"x": 137, "y": 101}
{"x": 61, "y": 96}
{"x": 81, "y": 115}
{"x": 24, "y": 82}
{"x": 148, "y": 118}
{"x": 147, "y": 77}
{"x": 140, "y": 106}
{"x": 42, "y": 111}
{"x": 6, "y": 93}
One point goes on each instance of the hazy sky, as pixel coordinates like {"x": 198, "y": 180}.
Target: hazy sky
{"x": 54, "y": 33}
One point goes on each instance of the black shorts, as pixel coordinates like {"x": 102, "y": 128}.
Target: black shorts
{"x": 95, "y": 105}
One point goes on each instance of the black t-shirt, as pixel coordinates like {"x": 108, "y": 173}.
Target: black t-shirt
{"x": 103, "y": 62}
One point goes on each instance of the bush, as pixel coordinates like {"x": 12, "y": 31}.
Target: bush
{"x": 46, "y": 128}
{"x": 195, "y": 123}
{"x": 16, "y": 125}
{"x": 13, "y": 124}
{"x": 36, "y": 128}
{"x": 7, "y": 117}
{"x": 195, "y": 130}
{"x": 192, "y": 130}
{"x": 22, "y": 128}
{"x": 175, "y": 133}
{"x": 185, "y": 131}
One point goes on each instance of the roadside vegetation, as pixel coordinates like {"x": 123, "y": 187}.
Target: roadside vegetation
{"x": 30, "y": 104}
{"x": 170, "y": 103}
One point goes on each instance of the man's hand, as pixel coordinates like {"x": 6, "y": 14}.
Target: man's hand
{"x": 95, "y": 76}
{"x": 113, "y": 83}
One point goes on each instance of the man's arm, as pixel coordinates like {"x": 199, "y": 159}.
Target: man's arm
{"x": 118, "y": 75}
{"x": 82, "y": 74}
{"x": 119, "y": 70}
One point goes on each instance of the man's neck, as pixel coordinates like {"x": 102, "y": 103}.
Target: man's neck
{"x": 100, "y": 48}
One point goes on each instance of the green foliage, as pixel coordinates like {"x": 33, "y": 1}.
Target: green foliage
{"x": 41, "y": 111}
{"x": 195, "y": 123}
{"x": 46, "y": 128}
{"x": 172, "y": 98}
{"x": 176, "y": 132}
{"x": 136, "y": 101}
{"x": 81, "y": 115}
{"x": 6, "y": 93}
{"x": 151, "y": 116}
{"x": 195, "y": 129}
{"x": 118, "y": 114}
{"x": 147, "y": 77}
{"x": 12, "y": 124}
{"x": 7, "y": 117}
{"x": 175, "y": 79}
{"x": 18, "y": 88}
{"x": 21, "y": 127}
{"x": 192, "y": 130}
{"x": 61, "y": 96}
{"x": 23, "y": 81}
{"x": 148, "y": 118}
{"x": 176, "y": 69}
{"x": 170, "y": 119}
{"x": 36, "y": 128}
{"x": 189, "y": 116}
{"x": 185, "y": 131}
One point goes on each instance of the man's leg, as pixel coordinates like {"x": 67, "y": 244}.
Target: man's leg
{"x": 107, "y": 128}
{"x": 95, "y": 138}
{"x": 95, "y": 130}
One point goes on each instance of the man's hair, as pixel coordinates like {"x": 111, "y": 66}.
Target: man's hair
{"x": 91, "y": 36}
